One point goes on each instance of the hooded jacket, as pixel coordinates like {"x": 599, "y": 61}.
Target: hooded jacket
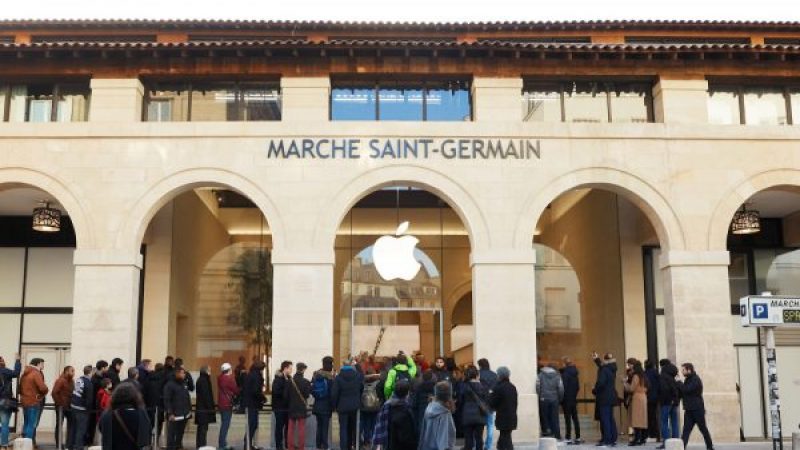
{"x": 668, "y": 387}
{"x": 549, "y": 385}
{"x": 409, "y": 368}
{"x": 323, "y": 405}
{"x": 605, "y": 389}
{"x": 32, "y": 387}
{"x": 438, "y": 430}
{"x": 346, "y": 392}
{"x": 572, "y": 385}
{"x": 62, "y": 391}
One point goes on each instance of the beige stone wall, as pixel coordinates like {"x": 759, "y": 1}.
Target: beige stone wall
{"x": 687, "y": 178}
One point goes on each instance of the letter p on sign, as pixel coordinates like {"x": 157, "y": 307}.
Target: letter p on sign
{"x": 760, "y": 311}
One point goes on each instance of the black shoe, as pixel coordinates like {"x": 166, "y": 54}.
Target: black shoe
{"x": 661, "y": 447}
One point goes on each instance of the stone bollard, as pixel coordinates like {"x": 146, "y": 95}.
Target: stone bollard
{"x": 548, "y": 443}
{"x": 673, "y": 444}
{"x": 795, "y": 441}
{"x": 23, "y": 444}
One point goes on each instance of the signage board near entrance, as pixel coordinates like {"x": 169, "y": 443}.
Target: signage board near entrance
{"x": 770, "y": 311}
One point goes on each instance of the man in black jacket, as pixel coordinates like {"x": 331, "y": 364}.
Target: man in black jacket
{"x": 669, "y": 401}
{"x": 569, "y": 404}
{"x": 177, "y": 407}
{"x": 204, "y": 413}
{"x": 253, "y": 400}
{"x": 100, "y": 372}
{"x": 81, "y": 403}
{"x": 280, "y": 403}
{"x": 346, "y": 397}
{"x": 114, "y": 372}
{"x": 605, "y": 392}
{"x": 691, "y": 389}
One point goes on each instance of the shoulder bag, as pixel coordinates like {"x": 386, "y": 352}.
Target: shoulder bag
{"x": 300, "y": 394}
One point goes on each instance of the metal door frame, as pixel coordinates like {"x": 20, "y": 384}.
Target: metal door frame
{"x": 353, "y": 312}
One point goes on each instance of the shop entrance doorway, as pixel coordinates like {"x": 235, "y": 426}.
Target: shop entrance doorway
{"x": 55, "y": 359}
{"x": 383, "y": 332}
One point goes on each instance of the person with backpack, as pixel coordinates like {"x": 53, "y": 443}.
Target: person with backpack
{"x": 370, "y": 405}
{"x": 504, "y": 399}
{"x": 423, "y": 393}
{"x": 402, "y": 369}
{"x": 438, "y": 431}
{"x": 395, "y": 429}
{"x": 475, "y": 400}
{"x": 299, "y": 391}
{"x": 227, "y": 391}
{"x": 669, "y": 399}
{"x": 7, "y": 402}
{"x": 321, "y": 383}
{"x": 346, "y": 398}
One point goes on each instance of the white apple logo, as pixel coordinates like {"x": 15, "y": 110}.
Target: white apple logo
{"x": 394, "y": 256}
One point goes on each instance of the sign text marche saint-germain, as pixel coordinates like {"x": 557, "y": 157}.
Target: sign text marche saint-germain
{"x": 404, "y": 148}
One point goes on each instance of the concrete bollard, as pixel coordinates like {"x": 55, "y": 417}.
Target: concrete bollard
{"x": 23, "y": 444}
{"x": 673, "y": 444}
{"x": 795, "y": 441}
{"x": 548, "y": 443}
{"x": 207, "y": 448}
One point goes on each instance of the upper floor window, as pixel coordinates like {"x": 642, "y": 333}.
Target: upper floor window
{"x": 212, "y": 101}
{"x": 434, "y": 100}
{"x": 587, "y": 101}
{"x": 45, "y": 102}
{"x": 753, "y": 104}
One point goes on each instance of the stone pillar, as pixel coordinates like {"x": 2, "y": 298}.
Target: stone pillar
{"x": 305, "y": 99}
{"x": 157, "y": 288}
{"x": 699, "y": 331}
{"x": 504, "y": 314}
{"x": 681, "y": 101}
{"x": 302, "y": 311}
{"x": 104, "y": 315}
{"x": 497, "y": 99}
{"x": 116, "y": 100}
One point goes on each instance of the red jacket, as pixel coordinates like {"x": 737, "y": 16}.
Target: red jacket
{"x": 103, "y": 402}
{"x": 226, "y": 391}
{"x": 62, "y": 391}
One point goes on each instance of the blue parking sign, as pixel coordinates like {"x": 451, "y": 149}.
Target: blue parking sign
{"x": 760, "y": 311}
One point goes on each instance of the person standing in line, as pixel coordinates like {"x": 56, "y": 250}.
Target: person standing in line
{"x": 504, "y": 400}
{"x": 205, "y": 412}
{"x": 177, "y": 407}
{"x": 299, "y": 391}
{"x": 403, "y": 369}
{"x": 637, "y": 388}
{"x": 125, "y": 426}
{"x": 253, "y": 400}
{"x": 605, "y": 392}
{"x": 81, "y": 403}
{"x": 280, "y": 403}
{"x": 227, "y": 390}
{"x": 103, "y": 398}
{"x": 153, "y": 397}
{"x": 240, "y": 372}
{"x": 346, "y": 396}
{"x": 474, "y": 397}
{"x": 100, "y": 373}
{"x": 114, "y": 372}
{"x": 550, "y": 389}
{"x": 133, "y": 379}
{"x": 62, "y": 393}
{"x": 321, "y": 387}
{"x": 189, "y": 380}
{"x": 694, "y": 410}
{"x": 423, "y": 394}
{"x": 370, "y": 405}
{"x": 438, "y": 431}
{"x": 488, "y": 380}
{"x": 7, "y": 402}
{"x": 440, "y": 371}
{"x": 569, "y": 405}
{"x": 669, "y": 399}
{"x": 651, "y": 373}
{"x": 32, "y": 392}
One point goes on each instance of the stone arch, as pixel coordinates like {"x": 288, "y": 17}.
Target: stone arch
{"x": 149, "y": 203}
{"x": 424, "y": 178}
{"x": 652, "y": 203}
{"x": 84, "y": 233}
{"x": 739, "y": 193}
{"x": 455, "y": 297}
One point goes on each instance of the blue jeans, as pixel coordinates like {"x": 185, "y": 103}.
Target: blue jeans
{"x": 31, "y": 417}
{"x": 669, "y": 416}
{"x": 252, "y": 427}
{"x": 323, "y": 427}
{"x": 5, "y": 419}
{"x": 368, "y": 420}
{"x": 608, "y": 424}
{"x": 487, "y": 445}
{"x": 225, "y": 417}
{"x": 550, "y": 414}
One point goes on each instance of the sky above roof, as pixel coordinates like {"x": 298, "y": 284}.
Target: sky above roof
{"x": 405, "y": 10}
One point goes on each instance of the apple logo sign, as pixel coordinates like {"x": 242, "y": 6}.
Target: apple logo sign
{"x": 394, "y": 256}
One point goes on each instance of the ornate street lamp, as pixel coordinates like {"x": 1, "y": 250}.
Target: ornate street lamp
{"x": 746, "y": 221}
{"x": 46, "y": 219}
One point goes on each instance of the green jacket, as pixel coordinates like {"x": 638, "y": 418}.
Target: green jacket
{"x": 410, "y": 367}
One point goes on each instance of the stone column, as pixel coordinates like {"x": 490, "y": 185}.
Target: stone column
{"x": 116, "y": 100}
{"x": 104, "y": 315}
{"x": 504, "y": 314}
{"x": 699, "y": 331}
{"x": 305, "y": 99}
{"x": 497, "y": 99}
{"x": 681, "y": 101}
{"x": 302, "y": 311}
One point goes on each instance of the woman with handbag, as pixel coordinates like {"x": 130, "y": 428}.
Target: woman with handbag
{"x": 299, "y": 392}
{"x": 474, "y": 397}
{"x": 125, "y": 426}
